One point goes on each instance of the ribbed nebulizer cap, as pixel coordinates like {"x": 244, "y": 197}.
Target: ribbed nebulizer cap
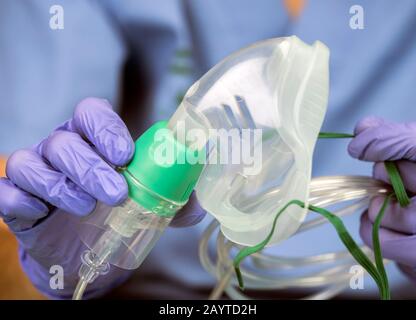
{"x": 163, "y": 171}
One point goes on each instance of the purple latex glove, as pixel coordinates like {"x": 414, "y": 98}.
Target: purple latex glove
{"x": 63, "y": 178}
{"x": 378, "y": 140}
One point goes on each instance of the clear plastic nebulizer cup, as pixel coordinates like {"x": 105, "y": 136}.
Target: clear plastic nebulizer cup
{"x": 158, "y": 187}
{"x": 127, "y": 233}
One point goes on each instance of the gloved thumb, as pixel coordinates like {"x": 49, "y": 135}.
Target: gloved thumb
{"x": 378, "y": 140}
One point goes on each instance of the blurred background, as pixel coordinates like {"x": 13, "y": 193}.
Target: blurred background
{"x": 143, "y": 55}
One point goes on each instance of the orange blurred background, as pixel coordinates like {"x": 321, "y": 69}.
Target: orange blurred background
{"x": 13, "y": 282}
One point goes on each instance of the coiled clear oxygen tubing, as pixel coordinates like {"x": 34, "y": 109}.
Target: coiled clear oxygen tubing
{"x": 324, "y": 191}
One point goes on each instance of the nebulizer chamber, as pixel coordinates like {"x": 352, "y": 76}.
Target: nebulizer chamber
{"x": 158, "y": 187}
{"x": 278, "y": 87}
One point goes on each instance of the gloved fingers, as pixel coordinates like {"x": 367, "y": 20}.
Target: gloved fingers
{"x": 29, "y": 171}
{"x": 191, "y": 214}
{"x": 95, "y": 120}
{"x": 394, "y": 245}
{"x": 68, "y": 153}
{"x": 367, "y": 123}
{"x": 407, "y": 170}
{"x": 16, "y": 203}
{"x": 395, "y": 217}
{"x": 378, "y": 140}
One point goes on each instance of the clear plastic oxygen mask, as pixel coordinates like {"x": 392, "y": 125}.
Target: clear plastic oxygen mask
{"x": 280, "y": 88}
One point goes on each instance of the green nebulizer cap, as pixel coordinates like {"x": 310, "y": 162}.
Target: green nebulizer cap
{"x": 163, "y": 172}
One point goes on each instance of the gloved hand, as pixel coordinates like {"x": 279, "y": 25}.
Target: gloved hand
{"x": 56, "y": 182}
{"x": 378, "y": 140}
